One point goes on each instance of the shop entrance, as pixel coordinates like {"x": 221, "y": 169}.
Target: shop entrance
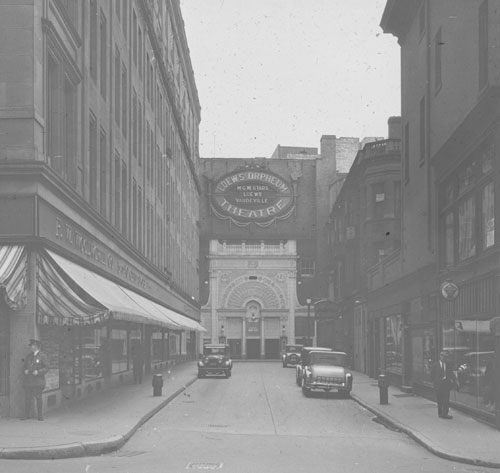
{"x": 253, "y": 348}
{"x": 272, "y": 349}
{"x": 235, "y": 347}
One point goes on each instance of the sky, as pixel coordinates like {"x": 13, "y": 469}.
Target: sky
{"x": 286, "y": 72}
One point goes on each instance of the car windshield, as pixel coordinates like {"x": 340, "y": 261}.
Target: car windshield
{"x": 293, "y": 349}
{"x": 330, "y": 359}
{"x": 215, "y": 351}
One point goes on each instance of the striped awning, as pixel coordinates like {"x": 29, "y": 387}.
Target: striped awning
{"x": 13, "y": 271}
{"x": 62, "y": 302}
{"x": 120, "y": 302}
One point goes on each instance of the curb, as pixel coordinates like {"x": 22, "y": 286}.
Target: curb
{"x": 86, "y": 449}
{"x": 421, "y": 440}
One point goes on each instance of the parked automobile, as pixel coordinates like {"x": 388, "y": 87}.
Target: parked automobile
{"x": 216, "y": 360}
{"x": 303, "y": 358}
{"x": 291, "y": 356}
{"x": 326, "y": 371}
{"x": 471, "y": 372}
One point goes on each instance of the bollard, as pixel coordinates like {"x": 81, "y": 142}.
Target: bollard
{"x": 383, "y": 386}
{"x": 157, "y": 383}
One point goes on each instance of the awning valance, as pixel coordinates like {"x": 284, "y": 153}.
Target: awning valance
{"x": 13, "y": 266}
{"x": 121, "y": 302}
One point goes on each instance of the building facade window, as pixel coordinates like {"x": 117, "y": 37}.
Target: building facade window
{"x": 103, "y": 56}
{"x": 93, "y": 40}
{"x": 93, "y": 161}
{"x": 438, "y": 70}
{"x": 483, "y": 45}
{"x": 124, "y": 199}
{"x": 124, "y": 100}
{"x": 117, "y": 190}
{"x": 117, "y": 85}
{"x": 378, "y": 200}
{"x": 307, "y": 267}
{"x": 488, "y": 216}
{"x": 61, "y": 119}
{"x": 422, "y": 130}
{"x": 467, "y": 208}
{"x": 103, "y": 163}
{"x": 466, "y": 226}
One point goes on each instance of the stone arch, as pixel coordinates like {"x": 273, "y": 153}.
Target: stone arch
{"x": 263, "y": 290}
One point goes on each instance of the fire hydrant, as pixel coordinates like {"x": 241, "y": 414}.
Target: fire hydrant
{"x": 383, "y": 386}
{"x": 157, "y": 383}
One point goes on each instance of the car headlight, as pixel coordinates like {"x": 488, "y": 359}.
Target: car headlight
{"x": 308, "y": 374}
{"x": 226, "y": 362}
{"x": 200, "y": 363}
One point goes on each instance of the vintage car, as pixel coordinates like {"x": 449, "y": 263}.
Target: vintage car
{"x": 216, "y": 360}
{"x": 291, "y": 355}
{"x": 299, "y": 368}
{"x": 326, "y": 371}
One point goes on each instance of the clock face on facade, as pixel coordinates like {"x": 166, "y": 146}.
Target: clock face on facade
{"x": 253, "y": 195}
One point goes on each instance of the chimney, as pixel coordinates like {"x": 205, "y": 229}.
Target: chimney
{"x": 395, "y": 130}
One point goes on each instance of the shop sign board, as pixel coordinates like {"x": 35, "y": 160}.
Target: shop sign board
{"x": 252, "y": 195}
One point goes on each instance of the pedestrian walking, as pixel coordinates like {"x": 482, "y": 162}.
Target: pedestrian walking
{"x": 35, "y": 366}
{"x": 138, "y": 363}
{"x": 444, "y": 380}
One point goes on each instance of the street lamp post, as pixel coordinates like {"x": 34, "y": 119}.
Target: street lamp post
{"x": 308, "y": 302}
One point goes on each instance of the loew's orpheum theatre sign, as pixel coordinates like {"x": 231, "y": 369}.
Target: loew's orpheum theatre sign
{"x": 252, "y": 196}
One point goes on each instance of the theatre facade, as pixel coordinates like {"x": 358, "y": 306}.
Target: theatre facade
{"x": 259, "y": 228}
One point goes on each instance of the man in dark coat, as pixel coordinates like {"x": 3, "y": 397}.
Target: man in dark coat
{"x": 444, "y": 380}
{"x": 35, "y": 366}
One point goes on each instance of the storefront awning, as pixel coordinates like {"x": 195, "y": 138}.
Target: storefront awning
{"x": 121, "y": 302}
{"x": 59, "y": 301}
{"x": 13, "y": 264}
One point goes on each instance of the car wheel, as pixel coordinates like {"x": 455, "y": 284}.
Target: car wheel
{"x": 201, "y": 375}
{"x": 227, "y": 374}
{"x": 297, "y": 380}
{"x": 284, "y": 365}
{"x": 346, "y": 394}
{"x": 306, "y": 391}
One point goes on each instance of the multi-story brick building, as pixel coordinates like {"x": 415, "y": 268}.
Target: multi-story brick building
{"x": 99, "y": 194}
{"x": 448, "y": 280}
{"x": 364, "y": 229}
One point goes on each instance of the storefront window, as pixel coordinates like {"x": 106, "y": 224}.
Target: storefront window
{"x": 423, "y": 353}
{"x": 174, "y": 345}
{"x": 449, "y": 239}
{"x": 157, "y": 346}
{"x": 93, "y": 358}
{"x": 472, "y": 346}
{"x": 466, "y": 229}
{"x": 488, "y": 216}
{"x": 393, "y": 344}
{"x": 119, "y": 350}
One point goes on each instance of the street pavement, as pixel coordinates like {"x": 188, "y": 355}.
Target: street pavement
{"x": 105, "y": 422}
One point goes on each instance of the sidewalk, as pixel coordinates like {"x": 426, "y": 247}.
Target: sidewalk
{"x": 106, "y": 421}
{"x": 95, "y": 425}
{"x": 463, "y": 439}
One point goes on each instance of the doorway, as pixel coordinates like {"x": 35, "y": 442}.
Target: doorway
{"x": 253, "y": 348}
{"x": 235, "y": 348}
{"x": 272, "y": 349}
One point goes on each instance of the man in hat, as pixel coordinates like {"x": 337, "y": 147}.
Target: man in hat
{"x": 444, "y": 380}
{"x": 35, "y": 366}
